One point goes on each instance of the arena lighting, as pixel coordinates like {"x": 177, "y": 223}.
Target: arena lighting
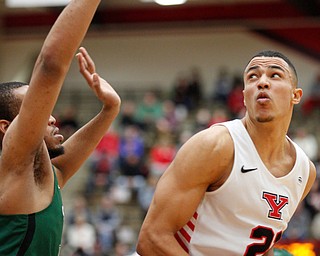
{"x": 35, "y": 3}
{"x": 170, "y": 2}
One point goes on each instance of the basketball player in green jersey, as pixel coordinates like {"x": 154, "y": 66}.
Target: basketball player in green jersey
{"x": 31, "y": 214}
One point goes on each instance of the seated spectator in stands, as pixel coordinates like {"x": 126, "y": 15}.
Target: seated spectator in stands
{"x": 146, "y": 192}
{"x": 180, "y": 94}
{"x": 127, "y": 114}
{"x": 132, "y": 150}
{"x": 79, "y": 208}
{"x": 202, "y": 119}
{"x": 170, "y": 115}
{"x": 315, "y": 227}
{"x": 222, "y": 87}
{"x": 312, "y": 102}
{"x": 121, "y": 249}
{"x": 161, "y": 155}
{"x": 81, "y": 236}
{"x": 107, "y": 220}
{"x": 125, "y": 234}
{"x": 299, "y": 227}
{"x": 307, "y": 141}
{"x": 100, "y": 178}
{"x": 312, "y": 201}
{"x": 148, "y": 111}
{"x": 219, "y": 115}
{"x": 103, "y": 163}
{"x": 195, "y": 88}
{"x": 68, "y": 122}
{"x": 235, "y": 99}
{"x": 184, "y": 136}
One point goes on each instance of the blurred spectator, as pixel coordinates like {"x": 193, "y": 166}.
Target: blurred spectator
{"x": 148, "y": 111}
{"x": 315, "y": 227}
{"x": 312, "y": 102}
{"x": 121, "y": 249}
{"x": 125, "y": 234}
{"x": 68, "y": 122}
{"x": 312, "y": 201}
{"x": 183, "y": 137}
{"x": 99, "y": 179}
{"x": 299, "y": 226}
{"x": 81, "y": 236}
{"x": 131, "y": 163}
{"x": 127, "y": 114}
{"x": 195, "y": 89}
{"x": 107, "y": 220}
{"x": 307, "y": 141}
{"x": 181, "y": 92}
{"x": 79, "y": 208}
{"x": 202, "y": 119}
{"x": 109, "y": 144}
{"x": 170, "y": 115}
{"x": 132, "y": 149}
{"x": 145, "y": 193}
{"x": 103, "y": 163}
{"x": 219, "y": 115}
{"x": 235, "y": 99}
{"x": 222, "y": 87}
{"x": 161, "y": 155}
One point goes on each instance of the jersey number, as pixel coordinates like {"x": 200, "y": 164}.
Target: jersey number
{"x": 267, "y": 239}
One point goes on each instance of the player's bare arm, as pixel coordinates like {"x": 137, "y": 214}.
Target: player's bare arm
{"x": 23, "y": 145}
{"x": 81, "y": 144}
{"x": 203, "y": 161}
{"x": 47, "y": 79}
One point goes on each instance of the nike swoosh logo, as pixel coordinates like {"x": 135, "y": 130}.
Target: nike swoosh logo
{"x": 243, "y": 170}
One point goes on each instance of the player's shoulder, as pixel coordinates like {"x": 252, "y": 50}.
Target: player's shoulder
{"x": 216, "y": 134}
{"x": 213, "y": 139}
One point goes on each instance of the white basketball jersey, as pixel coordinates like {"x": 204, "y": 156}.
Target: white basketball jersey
{"x": 249, "y": 212}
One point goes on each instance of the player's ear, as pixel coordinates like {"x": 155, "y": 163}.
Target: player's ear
{"x": 297, "y": 95}
{"x": 4, "y": 124}
{"x": 244, "y": 101}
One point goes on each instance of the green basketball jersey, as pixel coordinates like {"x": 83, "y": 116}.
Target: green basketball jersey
{"x": 37, "y": 234}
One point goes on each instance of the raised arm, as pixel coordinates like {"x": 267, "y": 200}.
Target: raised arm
{"x": 81, "y": 144}
{"x": 26, "y": 132}
{"x": 198, "y": 164}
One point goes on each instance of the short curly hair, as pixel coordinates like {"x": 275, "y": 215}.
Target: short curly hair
{"x": 9, "y": 103}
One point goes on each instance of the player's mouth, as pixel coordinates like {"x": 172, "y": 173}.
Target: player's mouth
{"x": 57, "y": 135}
{"x": 263, "y": 97}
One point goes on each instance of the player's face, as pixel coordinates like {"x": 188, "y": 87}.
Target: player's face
{"x": 269, "y": 89}
{"x": 52, "y": 137}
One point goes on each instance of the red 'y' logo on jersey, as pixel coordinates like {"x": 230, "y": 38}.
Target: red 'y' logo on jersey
{"x": 276, "y": 203}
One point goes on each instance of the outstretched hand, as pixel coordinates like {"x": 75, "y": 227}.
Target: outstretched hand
{"x": 102, "y": 89}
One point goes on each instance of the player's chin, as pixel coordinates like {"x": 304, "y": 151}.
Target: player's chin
{"x": 55, "y": 152}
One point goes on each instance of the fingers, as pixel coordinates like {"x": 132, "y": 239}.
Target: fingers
{"x": 82, "y": 64}
{"x": 89, "y": 63}
{"x": 83, "y": 68}
{"x": 87, "y": 69}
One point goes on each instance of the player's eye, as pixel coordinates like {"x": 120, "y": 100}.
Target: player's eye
{"x": 275, "y": 75}
{"x": 252, "y": 76}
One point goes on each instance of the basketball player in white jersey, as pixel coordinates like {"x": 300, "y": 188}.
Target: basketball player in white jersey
{"x": 233, "y": 188}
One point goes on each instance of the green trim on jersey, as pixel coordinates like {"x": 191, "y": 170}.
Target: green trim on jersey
{"x": 37, "y": 234}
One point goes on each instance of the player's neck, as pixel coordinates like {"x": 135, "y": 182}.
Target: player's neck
{"x": 268, "y": 137}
